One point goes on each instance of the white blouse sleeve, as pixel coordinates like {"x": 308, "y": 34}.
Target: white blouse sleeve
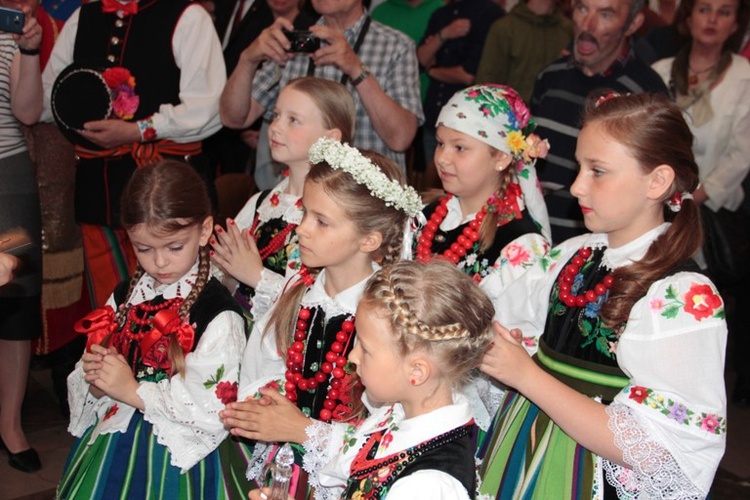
{"x": 523, "y": 303}
{"x": 61, "y": 57}
{"x": 197, "y": 52}
{"x": 670, "y": 421}
{"x": 184, "y": 410}
{"x": 515, "y": 259}
{"x": 428, "y": 485}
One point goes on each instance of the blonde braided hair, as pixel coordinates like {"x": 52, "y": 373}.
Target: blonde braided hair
{"x": 435, "y": 308}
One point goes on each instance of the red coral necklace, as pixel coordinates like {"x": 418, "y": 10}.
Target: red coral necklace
{"x": 278, "y": 241}
{"x": 567, "y": 277}
{"x": 333, "y": 366}
{"x": 140, "y": 314}
{"x": 506, "y": 207}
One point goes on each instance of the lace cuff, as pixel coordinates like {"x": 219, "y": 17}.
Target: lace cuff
{"x": 268, "y": 289}
{"x": 82, "y": 404}
{"x": 653, "y": 472}
{"x": 317, "y": 453}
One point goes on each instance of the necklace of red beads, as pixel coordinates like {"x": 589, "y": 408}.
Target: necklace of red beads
{"x": 278, "y": 241}
{"x": 567, "y": 276}
{"x": 506, "y": 207}
{"x": 331, "y": 369}
{"x": 143, "y": 315}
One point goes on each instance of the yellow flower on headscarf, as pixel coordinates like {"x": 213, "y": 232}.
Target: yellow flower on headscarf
{"x": 516, "y": 142}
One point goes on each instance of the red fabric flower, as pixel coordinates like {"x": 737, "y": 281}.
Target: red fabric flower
{"x": 638, "y": 393}
{"x": 114, "y": 77}
{"x": 226, "y": 392}
{"x": 701, "y": 301}
{"x": 157, "y": 356}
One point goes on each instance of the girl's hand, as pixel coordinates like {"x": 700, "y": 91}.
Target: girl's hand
{"x": 262, "y": 494}
{"x": 117, "y": 380}
{"x": 280, "y": 420}
{"x": 237, "y": 253}
{"x": 92, "y": 363}
{"x": 506, "y": 360}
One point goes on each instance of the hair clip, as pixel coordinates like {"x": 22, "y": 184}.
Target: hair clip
{"x": 675, "y": 202}
{"x": 607, "y": 97}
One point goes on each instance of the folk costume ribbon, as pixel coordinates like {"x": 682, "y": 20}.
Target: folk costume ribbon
{"x": 97, "y": 325}
{"x": 113, "y": 6}
{"x": 144, "y": 153}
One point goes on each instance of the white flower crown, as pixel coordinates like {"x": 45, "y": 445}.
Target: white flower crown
{"x": 344, "y": 157}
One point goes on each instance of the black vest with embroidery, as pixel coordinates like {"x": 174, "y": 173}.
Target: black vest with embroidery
{"x": 452, "y": 453}
{"x": 142, "y": 43}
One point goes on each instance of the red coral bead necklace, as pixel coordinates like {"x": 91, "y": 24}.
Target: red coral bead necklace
{"x": 567, "y": 276}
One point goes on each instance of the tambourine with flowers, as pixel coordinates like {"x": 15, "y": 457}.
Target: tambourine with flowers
{"x": 83, "y": 94}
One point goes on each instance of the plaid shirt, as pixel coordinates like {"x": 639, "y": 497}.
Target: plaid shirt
{"x": 391, "y": 58}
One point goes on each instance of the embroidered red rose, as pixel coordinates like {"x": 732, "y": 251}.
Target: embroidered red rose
{"x": 701, "y": 301}
{"x": 226, "y": 392}
{"x": 518, "y": 107}
{"x": 638, "y": 393}
{"x": 516, "y": 254}
{"x": 111, "y": 412}
{"x": 386, "y": 441}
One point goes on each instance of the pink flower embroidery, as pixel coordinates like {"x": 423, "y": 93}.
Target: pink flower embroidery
{"x": 701, "y": 301}
{"x": 386, "y": 441}
{"x": 710, "y": 422}
{"x": 516, "y": 254}
{"x": 656, "y": 304}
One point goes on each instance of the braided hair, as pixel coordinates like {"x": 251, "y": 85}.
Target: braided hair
{"x": 435, "y": 308}
{"x": 168, "y": 196}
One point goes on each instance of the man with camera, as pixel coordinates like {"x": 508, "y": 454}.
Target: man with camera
{"x": 377, "y": 62}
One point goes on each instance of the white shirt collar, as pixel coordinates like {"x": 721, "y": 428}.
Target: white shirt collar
{"x": 344, "y": 302}
{"x": 146, "y": 288}
{"x": 628, "y": 253}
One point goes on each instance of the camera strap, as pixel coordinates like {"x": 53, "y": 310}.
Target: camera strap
{"x": 357, "y": 45}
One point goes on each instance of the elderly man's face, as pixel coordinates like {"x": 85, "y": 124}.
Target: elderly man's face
{"x": 601, "y": 28}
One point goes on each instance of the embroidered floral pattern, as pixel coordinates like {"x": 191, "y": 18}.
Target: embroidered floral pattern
{"x": 227, "y": 392}
{"x": 701, "y": 301}
{"x": 214, "y": 380}
{"x": 111, "y": 412}
{"x": 675, "y": 410}
{"x": 549, "y": 261}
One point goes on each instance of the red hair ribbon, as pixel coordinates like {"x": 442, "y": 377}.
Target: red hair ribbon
{"x": 97, "y": 325}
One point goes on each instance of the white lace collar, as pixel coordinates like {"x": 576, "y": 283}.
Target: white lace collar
{"x": 628, "y": 253}
{"x": 288, "y": 207}
{"x": 146, "y": 290}
{"x": 344, "y": 302}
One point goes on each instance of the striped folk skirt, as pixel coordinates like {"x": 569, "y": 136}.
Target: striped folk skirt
{"x": 133, "y": 465}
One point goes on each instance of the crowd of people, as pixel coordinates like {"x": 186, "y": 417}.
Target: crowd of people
{"x": 488, "y": 254}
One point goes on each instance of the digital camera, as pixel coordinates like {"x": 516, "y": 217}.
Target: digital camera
{"x": 302, "y": 41}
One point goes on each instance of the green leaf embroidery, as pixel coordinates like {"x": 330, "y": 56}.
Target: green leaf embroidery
{"x": 671, "y": 292}
{"x": 215, "y": 378}
{"x": 671, "y": 311}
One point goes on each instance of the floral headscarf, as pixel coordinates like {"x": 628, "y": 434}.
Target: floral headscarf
{"x": 497, "y": 115}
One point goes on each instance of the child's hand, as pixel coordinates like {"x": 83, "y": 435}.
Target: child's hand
{"x": 262, "y": 494}
{"x": 237, "y": 253}
{"x": 280, "y": 420}
{"x": 117, "y": 380}
{"x": 506, "y": 360}
{"x": 92, "y": 363}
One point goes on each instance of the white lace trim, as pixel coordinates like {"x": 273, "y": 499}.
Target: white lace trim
{"x": 653, "y": 472}
{"x": 268, "y": 290}
{"x": 82, "y": 404}
{"x": 316, "y": 457}
{"x": 261, "y": 454}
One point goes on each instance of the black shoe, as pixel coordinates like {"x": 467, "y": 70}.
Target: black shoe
{"x": 25, "y": 461}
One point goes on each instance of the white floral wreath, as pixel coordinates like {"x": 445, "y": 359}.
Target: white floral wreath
{"x": 344, "y": 157}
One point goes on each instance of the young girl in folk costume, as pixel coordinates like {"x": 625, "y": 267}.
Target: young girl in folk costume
{"x": 259, "y": 247}
{"x": 422, "y": 329}
{"x": 627, "y": 382}
{"x": 492, "y": 223}
{"x": 356, "y": 208}
{"x": 162, "y": 358}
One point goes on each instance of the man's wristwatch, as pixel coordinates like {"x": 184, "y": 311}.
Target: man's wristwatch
{"x": 362, "y": 76}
